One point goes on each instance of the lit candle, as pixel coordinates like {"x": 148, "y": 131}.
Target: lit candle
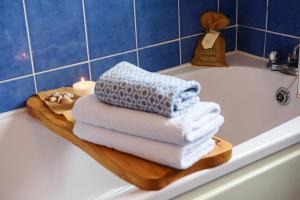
{"x": 83, "y": 87}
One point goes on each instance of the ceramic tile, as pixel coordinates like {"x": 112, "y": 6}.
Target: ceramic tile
{"x": 252, "y": 13}
{"x": 110, "y": 27}
{"x": 283, "y": 45}
{"x": 13, "y": 94}
{"x": 188, "y": 47}
{"x": 57, "y": 33}
{"x": 100, "y": 66}
{"x": 228, "y": 7}
{"x": 14, "y": 51}
{"x": 190, "y": 11}
{"x": 160, "y": 57}
{"x": 251, "y": 41}
{"x": 159, "y": 27}
{"x": 62, "y": 77}
{"x": 284, "y": 17}
{"x": 229, "y": 35}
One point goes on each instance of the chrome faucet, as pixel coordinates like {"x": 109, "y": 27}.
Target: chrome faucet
{"x": 288, "y": 66}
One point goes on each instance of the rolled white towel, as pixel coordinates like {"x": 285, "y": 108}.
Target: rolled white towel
{"x": 200, "y": 120}
{"x": 180, "y": 157}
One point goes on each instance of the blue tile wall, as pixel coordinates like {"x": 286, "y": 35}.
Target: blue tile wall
{"x": 63, "y": 77}
{"x": 14, "y": 50}
{"x": 277, "y": 19}
{"x": 284, "y": 17}
{"x": 188, "y": 47}
{"x": 160, "y": 57}
{"x": 48, "y": 44}
{"x": 252, "y": 13}
{"x": 57, "y": 33}
{"x": 110, "y": 26}
{"x": 230, "y": 37}
{"x": 251, "y": 41}
{"x": 98, "y": 67}
{"x": 165, "y": 20}
{"x": 189, "y": 18}
{"x": 228, "y": 7}
{"x": 13, "y": 94}
{"x": 282, "y": 44}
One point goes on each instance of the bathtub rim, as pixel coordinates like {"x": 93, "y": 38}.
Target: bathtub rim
{"x": 242, "y": 156}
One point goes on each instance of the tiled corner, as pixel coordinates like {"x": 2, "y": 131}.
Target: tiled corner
{"x": 190, "y": 11}
{"x": 228, "y": 7}
{"x": 252, "y": 13}
{"x": 110, "y": 26}
{"x": 159, "y": 27}
{"x": 188, "y": 47}
{"x": 284, "y": 17}
{"x": 57, "y": 33}
{"x": 282, "y": 30}
{"x": 284, "y": 45}
{"x": 62, "y": 77}
{"x": 160, "y": 57}
{"x": 229, "y": 35}
{"x": 14, "y": 51}
{"x": 13, "y": 94}
{"x": 251, "y": 41}
{"x": 100, "y": 66}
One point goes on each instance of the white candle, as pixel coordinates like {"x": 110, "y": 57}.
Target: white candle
{"x": 83, "y": 87}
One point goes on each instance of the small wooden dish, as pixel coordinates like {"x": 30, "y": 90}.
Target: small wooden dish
{"x": 144, "y": 174}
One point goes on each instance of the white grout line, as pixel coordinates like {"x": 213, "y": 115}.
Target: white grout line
{"x": 135, "y": 33}
{"x": 190, "y": 36}
{"x": 179, "y": 31}
{"x": 197, "y": 34}
{"x": 91, "y": 60}
{"x": 158, "y": 44}
{"x": 17, "y": 78}
{"x": 258, "y": 29}
{"x": 104, "y": 57}
{"x": 275, "y": 33}
{"x": 232, "y": 26}
{"x": 266, "y": 28}
{"x": 62, "y": 67}
{"x": 133, "y": 50}
{"x": 218, "y": 3}
{"x": 113, "y": 55}
{"x": 283, "y": 34}
{"x": 29, "y": 45}
{"x": 86, "y": 39}
{"x": 236, "y": 23}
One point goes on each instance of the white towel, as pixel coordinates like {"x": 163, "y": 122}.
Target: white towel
{"x": 180, "y": 157}
{"x": 199, "y": 121}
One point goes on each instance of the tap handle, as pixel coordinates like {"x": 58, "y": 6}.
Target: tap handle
{"x": 273, "y": 56}
{"x": 294, "y": 55}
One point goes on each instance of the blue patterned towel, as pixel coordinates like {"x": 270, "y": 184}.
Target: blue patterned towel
{"x": 129, "y": 86}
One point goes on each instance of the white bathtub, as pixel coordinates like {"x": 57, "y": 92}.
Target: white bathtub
{"x": 37, "y": 164}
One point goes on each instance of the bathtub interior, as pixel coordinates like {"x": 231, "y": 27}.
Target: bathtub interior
{"x": 37, "y": 164}
{"x": 247, "y": 98}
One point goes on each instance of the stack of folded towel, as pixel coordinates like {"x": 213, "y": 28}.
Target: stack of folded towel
{"x": 155, "y": 117}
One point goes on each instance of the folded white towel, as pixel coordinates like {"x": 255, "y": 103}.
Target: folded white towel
{"x": 199, "y": 121}
{"x": 180, "y": 157}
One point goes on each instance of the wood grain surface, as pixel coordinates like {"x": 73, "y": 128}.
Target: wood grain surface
{"x": 144, "y": 174}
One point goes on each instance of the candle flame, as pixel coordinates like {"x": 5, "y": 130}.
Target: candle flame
{"x": 82, "y": 79}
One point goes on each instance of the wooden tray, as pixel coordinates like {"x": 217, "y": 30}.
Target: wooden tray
{"x": 139, "y": 172}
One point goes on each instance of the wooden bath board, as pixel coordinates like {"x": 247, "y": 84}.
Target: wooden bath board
{"x": 139, "y": 172}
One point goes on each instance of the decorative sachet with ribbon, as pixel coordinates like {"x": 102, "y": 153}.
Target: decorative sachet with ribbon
{"x": 210, "y": 50}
